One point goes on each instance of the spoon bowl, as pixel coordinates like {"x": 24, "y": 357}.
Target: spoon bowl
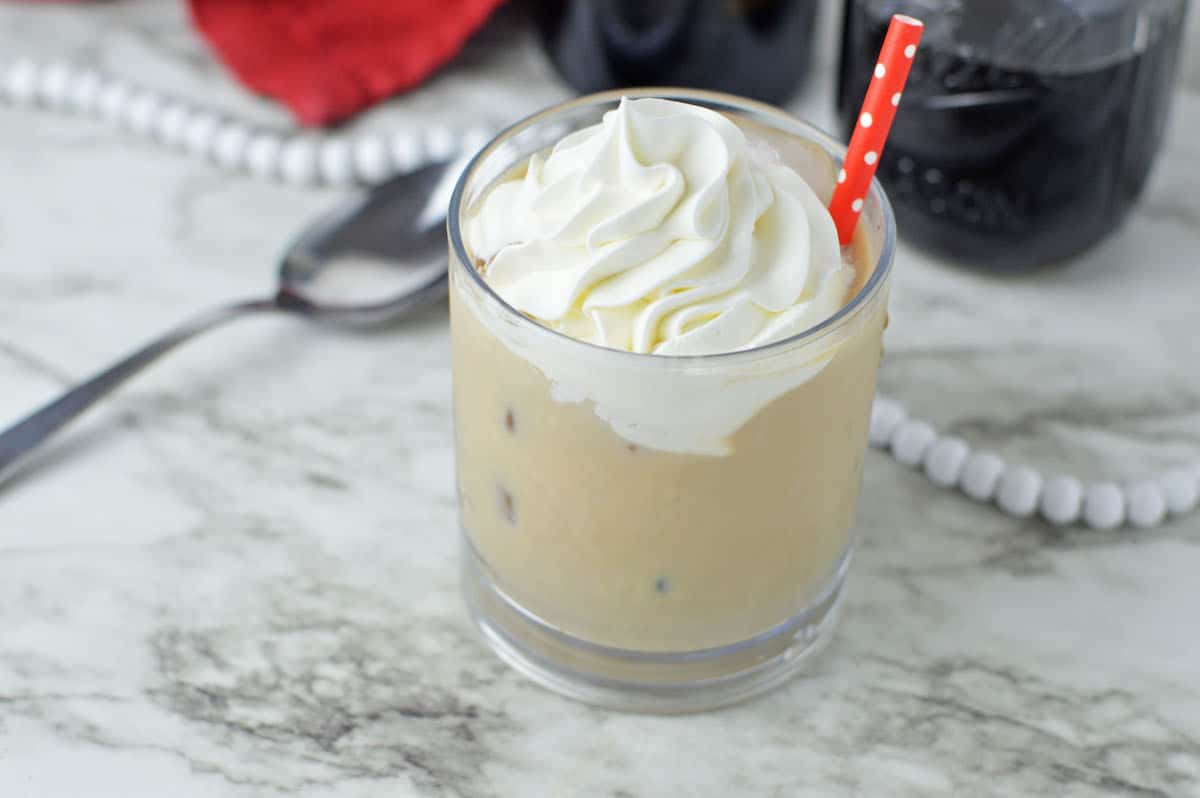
{"x": 373, "y": 259}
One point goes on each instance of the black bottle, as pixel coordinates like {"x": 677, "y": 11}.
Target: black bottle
{"x": 1028, "y": 127}
{"x": 756, "y": 48}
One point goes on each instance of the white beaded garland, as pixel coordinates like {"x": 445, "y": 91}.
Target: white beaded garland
{"x": 298, "y": 161}
{"x": 229, "y": 145}
{"x": 1147, "y": 504}
{"x": 232, "y": 145}
{"x": 981, "y": 474}
{"x": 1104, "y": 506}
{"x": 1062, "y": 500}
{"x": 886, "y": 415}
{"x": 371, "y": 161}
{"x": 21, "y": 82}
{"x": 262, "y": 155}
{"x": 945, "y": 460}
{"x": 1181, "y": 491}
{"x": 911, "y": 440}
{"x": 1018, "y": 492}
{"x": 335, "y": 163}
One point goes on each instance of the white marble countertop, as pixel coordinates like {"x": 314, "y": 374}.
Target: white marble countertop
{"x": 238, "y": 577}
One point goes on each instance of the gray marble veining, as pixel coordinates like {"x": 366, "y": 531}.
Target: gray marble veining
{"x": 238, "y": 578}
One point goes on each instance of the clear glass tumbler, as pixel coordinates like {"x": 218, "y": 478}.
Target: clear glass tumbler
{"x": 638, "y": 578}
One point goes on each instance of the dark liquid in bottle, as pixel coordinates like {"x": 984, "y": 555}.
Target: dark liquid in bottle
{"x": 1024, "y": 154}
{"x": 755, "y": 48}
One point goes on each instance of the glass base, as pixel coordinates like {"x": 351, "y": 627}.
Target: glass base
{"x": 632, "y": 681}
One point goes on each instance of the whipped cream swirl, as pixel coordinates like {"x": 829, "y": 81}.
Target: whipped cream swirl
{"x": 662, "y": 230}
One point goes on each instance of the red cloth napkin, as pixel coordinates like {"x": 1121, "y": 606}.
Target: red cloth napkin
{"x": 327, "y": 59}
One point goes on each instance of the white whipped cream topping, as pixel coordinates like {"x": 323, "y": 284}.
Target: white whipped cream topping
{"x": 661, "y": 230}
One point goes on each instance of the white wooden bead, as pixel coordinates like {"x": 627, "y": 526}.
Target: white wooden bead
{"x": 171, "y": 123}
{"x": 298, "y": 161}
{"x": 981, "y": 474}
{"x": 21, "y": 82}
{"x": 1181, "y": 491}
{"x": 886, "y": 415}
{"x": 1019, "y": 490}
{"x": 1103, "y": 506}
{"x": 114, "y": 97}
{"x": 1062, "y": 500}
{"x": 1147, "y": 504}
{"x": 371, "y": 162}
{"x": 55, "y": 80}
{"x": 441, "y": 143}
{"x": 405, "y": 147}
{"x": 945, "y": 460}
{"x": 84, "y": 91}
{"x": 911, "y": 440}
{"x": 200, "y": 133}
{"x": 335, "y": 162}
{"x": 229, "y": 146}
{"x": 262, "y": 155}
{"x": 141, "y": 112}
{"x": 475, "y": 140}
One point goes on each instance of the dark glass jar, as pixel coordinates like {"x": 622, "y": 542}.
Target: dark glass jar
{"x": 756, "y": 48}
{"x": 1028, "y": 127}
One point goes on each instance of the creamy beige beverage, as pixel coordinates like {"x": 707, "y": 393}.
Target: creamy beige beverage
{"x": 622, "y": 476}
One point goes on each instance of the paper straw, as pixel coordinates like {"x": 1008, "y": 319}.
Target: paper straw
{"x": 874, "y": 122}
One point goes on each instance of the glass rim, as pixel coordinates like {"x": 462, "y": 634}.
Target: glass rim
{"x": 881, "y": 268}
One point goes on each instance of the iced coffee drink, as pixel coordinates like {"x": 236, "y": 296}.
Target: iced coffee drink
{"x": 663, "y": 370}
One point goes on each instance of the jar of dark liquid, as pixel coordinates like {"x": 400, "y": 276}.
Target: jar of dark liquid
{"x": 1028, "y": 127}
{"x": 755, "y": 48}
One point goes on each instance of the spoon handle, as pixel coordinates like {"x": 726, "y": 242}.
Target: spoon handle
{"x": 22, "y": 438}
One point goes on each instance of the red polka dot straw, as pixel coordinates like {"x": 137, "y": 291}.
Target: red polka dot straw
{"x": 874, "y": 122}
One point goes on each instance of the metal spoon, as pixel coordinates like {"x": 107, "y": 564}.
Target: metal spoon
{"x": 370, "y": 261}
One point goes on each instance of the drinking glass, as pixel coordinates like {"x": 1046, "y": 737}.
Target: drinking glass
{"x": 634, "y": 576}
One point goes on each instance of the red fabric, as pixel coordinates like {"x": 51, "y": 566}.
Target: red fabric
{"x": 327, "y": 59}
